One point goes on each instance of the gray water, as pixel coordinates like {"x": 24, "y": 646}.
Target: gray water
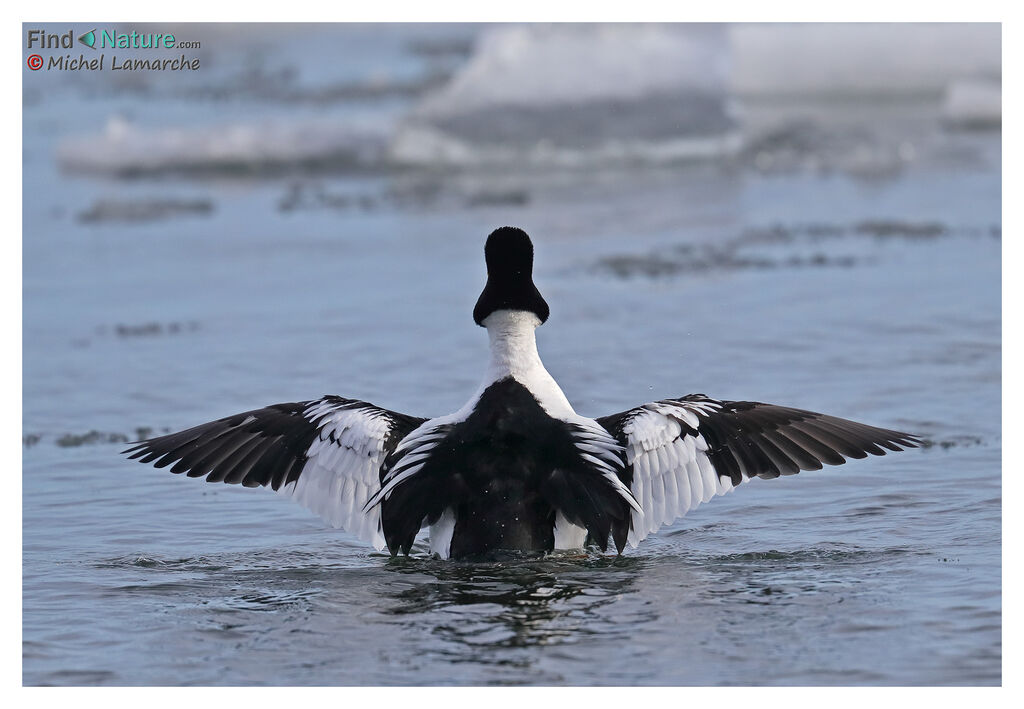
{"x": 846, "y": 262}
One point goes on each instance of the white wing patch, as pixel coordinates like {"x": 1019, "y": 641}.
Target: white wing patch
{"x": 342, "y": 469}
{"x": 672, "y": 473}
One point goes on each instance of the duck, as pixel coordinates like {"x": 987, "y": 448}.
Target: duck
{"x": 516, "y": 468}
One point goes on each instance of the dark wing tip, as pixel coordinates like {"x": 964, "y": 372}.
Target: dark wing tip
{"x": 244, "y": 448}
{"x": 133, "y": 446}
{"x": 910, "y": 440}
{"x": 753, "y": 438}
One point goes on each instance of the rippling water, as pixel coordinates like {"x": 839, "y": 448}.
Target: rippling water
{"x": 792, "y": 275}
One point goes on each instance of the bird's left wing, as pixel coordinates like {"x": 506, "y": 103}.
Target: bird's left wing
{"x": 682, "y": 452}
{"x": 326, "y": 454}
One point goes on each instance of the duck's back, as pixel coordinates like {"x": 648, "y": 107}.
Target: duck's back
{"x": 497, "y": 480}
{"x": 502, "y": 455}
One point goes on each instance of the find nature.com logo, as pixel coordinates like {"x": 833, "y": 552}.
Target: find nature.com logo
{"x": 58, "y": 59}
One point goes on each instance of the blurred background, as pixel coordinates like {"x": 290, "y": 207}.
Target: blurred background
{"x": 803, "y": 214}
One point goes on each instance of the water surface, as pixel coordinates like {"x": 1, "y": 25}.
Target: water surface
{"x": 845, "y": 261}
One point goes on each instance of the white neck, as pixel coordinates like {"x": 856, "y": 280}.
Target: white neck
{"x": 514, "y": 354}
{"x": 513, "y": 343}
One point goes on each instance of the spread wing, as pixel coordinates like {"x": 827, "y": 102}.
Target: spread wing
{"x": 326, "y": 454}
{"x": 682, "y": 452}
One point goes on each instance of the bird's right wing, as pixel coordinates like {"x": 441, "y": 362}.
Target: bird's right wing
{"x": 326, "y": 454}
{"x": 682, "y": 452}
